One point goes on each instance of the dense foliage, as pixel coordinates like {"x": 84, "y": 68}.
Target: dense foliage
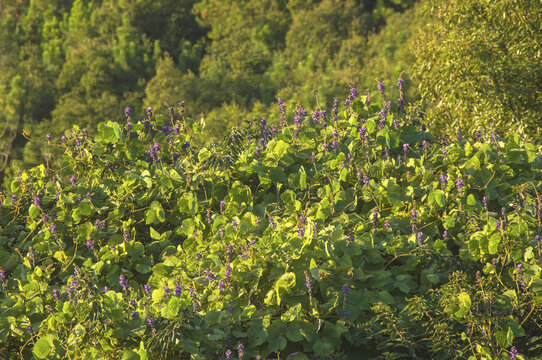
{"x": 80, "y": 59}
{"x": 480, "y": 64}
{"x": 338, "y": 232}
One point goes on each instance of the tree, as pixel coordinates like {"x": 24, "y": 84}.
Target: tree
{"x": 479, "y": 65}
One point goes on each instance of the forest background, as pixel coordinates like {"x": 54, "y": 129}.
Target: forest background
{"x": 468, "y": 64}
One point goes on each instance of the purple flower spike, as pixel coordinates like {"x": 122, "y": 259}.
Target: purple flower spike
{"x": 354, "y": 93}
{"x": 228, "y": 354}
{"x": 308, "y": 282}
{"x": 420, "y": 238}
{"x": 513, "y": 353}
{"x": 387, "y": 224}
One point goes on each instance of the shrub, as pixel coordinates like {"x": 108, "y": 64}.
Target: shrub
{"x": 354, "y": 232}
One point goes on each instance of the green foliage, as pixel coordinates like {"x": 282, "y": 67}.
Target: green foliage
{"x": 478, "y": 63}
{"x": 361, "y": 235}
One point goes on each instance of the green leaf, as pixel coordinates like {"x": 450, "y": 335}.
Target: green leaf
{"x": 43, "y": 347}
{"x": 285, "y": 282}
{"x": 154, "y": 234}
{"x": 510, "y": 337}
{"x": 493, "y": 244}
{"x": 189, "y": 345}
{"x": 130, "y": 355}
{"x": 173, "y": 305}
{"x": 464, "y": 300}
{"x": 471, "y": 201}
{"x": 437, "y": 197}
{"x": 155, "y": 213}
{"x": 33, "y": 211}
{"x": 256, "y": 333}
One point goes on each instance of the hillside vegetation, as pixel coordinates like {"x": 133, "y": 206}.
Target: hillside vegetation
{"x": 341, "y": 231}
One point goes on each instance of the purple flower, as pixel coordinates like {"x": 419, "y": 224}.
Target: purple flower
{"x": 400, "y": 83}
{"x": 241, "y": 350}
{"x": 424, "y": 145}
{"x": 63, "y": 139}
{"x": 127, "y": 111}
{"x": 178, "y": 290}
{"x": 405, "y": 149}
{"x": 73, "y": 180}
{"x": 222, "y": 285}
{"x": 315, "y": 227}
{"x": 31, "y": 252}
{"x": 387, "y": 152}
{"x": 420, "y": 238}
{"x": 45, "y": 218}
{"x": 366, "y": 180}
{"x": 347, "y": 102}
{"x": 135, "y": 315}
{"x": 147, "y": 289}
{"x": 513, "y": 353}
{"x": 90, "y": 244}
{"x": 56, "y": 294}
{"x": 308, "y": 282}
{"x": 122, "y": 281}
{"x": 445, "y": 235}
{"x": 443, "y": 180}
{"x": 150, "y": 321}
{"x": 149, "y": 111}
{"x": 346, "y": 290}
{"x": 354, "y": 93}
{"x": 484, "y": 201}
{"x": 227, "y": 273}
{"x": 315, "y": 116}
{"x": 387, "y": 224}
{"x": 478, "y": 134}
{"x": 498, "y": 224}
{"x": 166, "y": 290}
{"x": 459, "y": 137}
{"x": 53, "y": 228}
{"x": 234, "y": 224}
{"x": 210, "y": 275}
{"x": 48, "y": 137}
{"x": 375, "y": 218}
{"x": 228, "y": 354}
{"x": 222, "y": 206}
{"x": 459, "y": 184}
{"x": 300, "y": 232}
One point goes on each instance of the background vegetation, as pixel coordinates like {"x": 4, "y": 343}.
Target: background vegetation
{"x": 231, "y": 60}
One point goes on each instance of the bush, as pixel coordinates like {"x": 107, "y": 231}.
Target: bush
{"x": 354, "y": 232}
